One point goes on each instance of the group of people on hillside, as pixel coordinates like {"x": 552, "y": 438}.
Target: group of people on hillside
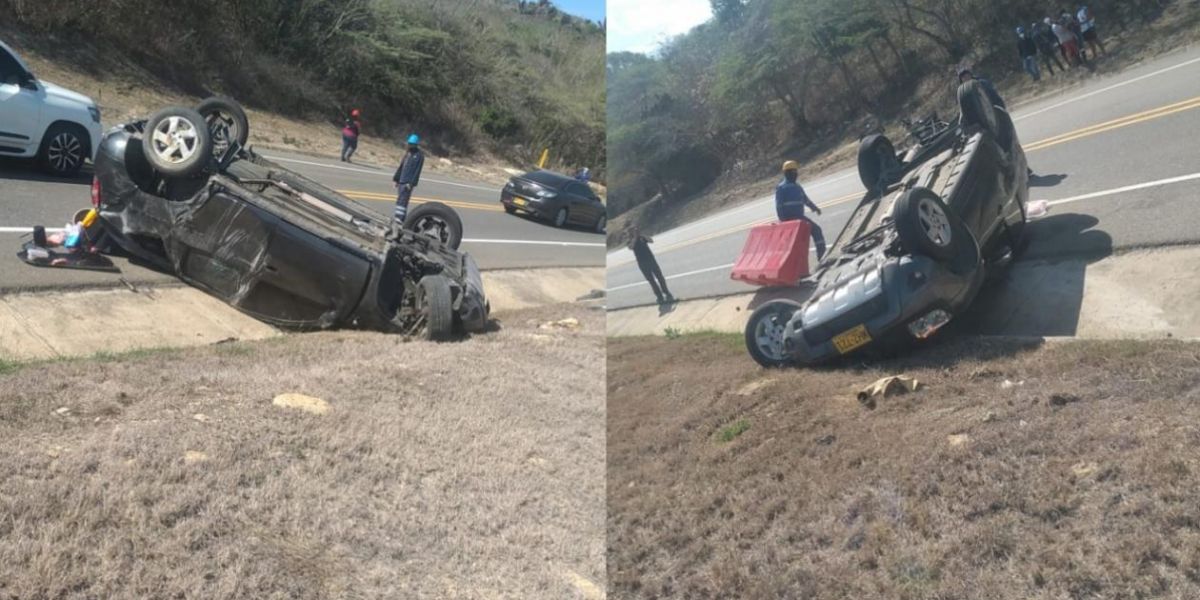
{"x": 1063, "y": 37}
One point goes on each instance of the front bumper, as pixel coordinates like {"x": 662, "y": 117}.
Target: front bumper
{"x": 908, "y": 288}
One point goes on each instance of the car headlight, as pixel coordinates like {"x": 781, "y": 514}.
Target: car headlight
{"x": 95, "y": 112}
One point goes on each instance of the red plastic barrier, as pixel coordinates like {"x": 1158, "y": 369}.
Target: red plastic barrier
{"x": 774, "y": 254}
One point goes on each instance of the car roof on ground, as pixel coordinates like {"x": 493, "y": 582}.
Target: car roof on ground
{"x": 547, "y": 177}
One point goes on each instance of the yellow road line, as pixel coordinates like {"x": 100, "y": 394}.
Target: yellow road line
{"x": 1125, "y": 121}
{"x": 378, "y": 197}
{"x": 1070, "y": 136}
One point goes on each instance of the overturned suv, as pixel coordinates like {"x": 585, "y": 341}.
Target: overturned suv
{"x": 915, "y": 252}
{"x": 180, "y": 191}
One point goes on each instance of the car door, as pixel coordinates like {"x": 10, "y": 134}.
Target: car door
{"x": 581, "y": 210}
{"x": 20, "y": 107}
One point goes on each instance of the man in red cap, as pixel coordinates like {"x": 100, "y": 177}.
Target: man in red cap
{"x": 350, "y": 135}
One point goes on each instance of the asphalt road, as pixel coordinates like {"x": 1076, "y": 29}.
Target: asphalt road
{"x": 496, "y": 240}
{"x": 1118, "y": 158}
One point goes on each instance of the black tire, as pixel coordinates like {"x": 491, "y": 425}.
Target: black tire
{"x": 437, "y": 308}
{"x": 176, "y": 142}
{"x": 512, "y": 210}
{"x": 560, "y": 217}
{"x": 877, "y": 162}
{"x": 925, "y": 225}
{"x": 437, "y": 221}
{"x": 601, "y": 224}
{"x": 227, "y": 123}
{"x": 64, "y": 148}
{"x": 766, "y": 322}
{"x": 976, "y": 109}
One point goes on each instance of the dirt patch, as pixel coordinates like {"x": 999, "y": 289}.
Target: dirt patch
{"x": 1077, "y": 483}
{"x": 439, "y": 470}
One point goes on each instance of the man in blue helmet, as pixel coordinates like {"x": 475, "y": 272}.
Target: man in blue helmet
{"x": 408, "y": 174}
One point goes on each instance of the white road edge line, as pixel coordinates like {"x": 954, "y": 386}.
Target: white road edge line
{"x": 534, "y": 243}
{"x": 1106, "y": 89}
{"x": 1128, "y": 188}
{"x": 29, "y": 229}
{"x": 759, "y": 202}
{"x": 316, "y": 164}
{"x": 465, "y": 240}
{"x": 681, "y": 275}
{"x": 1100, "y": 194}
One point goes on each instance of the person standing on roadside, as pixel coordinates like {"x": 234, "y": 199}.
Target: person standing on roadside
{"x": 1047, "y": 46}
{"x": 640, "y": 245}
{"x": 350, "y": 135}
{"x": 1027, "y": 49}
{"x": 1087, "y": 25}
{"x": 1069, "y": 21}
{"x": 407, "y": 176}
{"x": 1066, "y": 41}
{"x": 790, "y": 202}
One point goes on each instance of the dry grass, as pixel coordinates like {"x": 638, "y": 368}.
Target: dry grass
{"x": 465, "y": 470}
{"x": 1078, "y": 483}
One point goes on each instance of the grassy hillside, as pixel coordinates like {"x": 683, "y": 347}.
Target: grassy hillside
{"x": 473, "y": 76}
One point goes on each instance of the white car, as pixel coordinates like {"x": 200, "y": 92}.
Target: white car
{"x": 39, "y": 119}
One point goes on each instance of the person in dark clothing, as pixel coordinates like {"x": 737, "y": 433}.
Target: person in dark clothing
{"x": 1047, "y": 46}
{"x": 1027, "y": 49}
{"x": 350, "y": 135}
{"x": 640, "y": 245}
{"x": 965, "y": 75}
{"x": 407, "y": 176}
{"x": 790, "y": 201}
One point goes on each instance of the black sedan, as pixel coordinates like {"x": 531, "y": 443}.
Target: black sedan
{"x": 934, "y": 221}
{"x": 178, "y": 191}
{"x": 556, "y": 198}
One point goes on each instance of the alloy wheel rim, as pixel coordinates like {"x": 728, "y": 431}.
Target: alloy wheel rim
{"x": 175, "y": 140}
{"x": 934, "y": 222}
{"x": 65, "y": 152}
{"x": 768, "y": 336}
{"x": 434, "y": 227}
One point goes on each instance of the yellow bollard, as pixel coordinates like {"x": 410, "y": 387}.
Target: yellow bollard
{"x": 542, "y": 160}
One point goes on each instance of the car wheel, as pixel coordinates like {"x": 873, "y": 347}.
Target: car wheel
{"x": 435, "y": 303}
{"x": 510, "y": 209}
{"x": 437, "y": 221}
{"x": 64, "y": 148}
{"x": 560, "y": 217}
{"x": 976, "y": 108}
{"x": 764, "y": 333}
{"x": 176, "y": 142}
{"x": 924, "y": 224}
{"x": 227, "y": 123}
{"x": 601, "y": 224}
{"x": 877, "y": 162}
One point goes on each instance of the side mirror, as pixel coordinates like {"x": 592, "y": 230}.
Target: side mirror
{"x": 29, "y": 82}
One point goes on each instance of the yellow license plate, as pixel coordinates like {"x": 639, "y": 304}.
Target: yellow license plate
{"x": 851, "y": 339}
{"x": 518, "y": 201}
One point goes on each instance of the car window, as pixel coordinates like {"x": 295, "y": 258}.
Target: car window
{"x": 10, "y": 69}
{"x": 580, "y": 190}
{"x": 546, "y": 178}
